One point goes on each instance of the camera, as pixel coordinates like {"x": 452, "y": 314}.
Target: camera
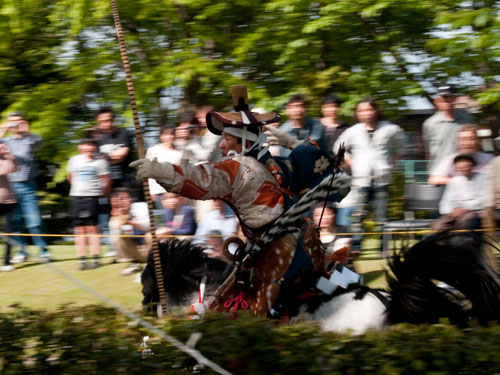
{"x": 12, "y": 124}
{"x": 192, "y": 128}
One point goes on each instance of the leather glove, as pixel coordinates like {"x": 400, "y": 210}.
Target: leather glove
{"x": 279, "y": 137}
{"x": 145, "y": 168}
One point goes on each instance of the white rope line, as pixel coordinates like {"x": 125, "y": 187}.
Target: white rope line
{"x": 346, "y": 234}
{"x": 172, "y": 340}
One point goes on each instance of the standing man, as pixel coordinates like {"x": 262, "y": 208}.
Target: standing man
{"x": 209, "y": 141}
{"x": 372, "y": 147}
{"x": 441, "y": 129}
{"x": 114, "y": 143}
{"x": 300, "y": 126}
{"x": 23, "y": 145}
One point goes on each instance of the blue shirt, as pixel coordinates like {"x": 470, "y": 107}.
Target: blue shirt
{"x": 312, "y": 129}
{"x": 188, "y": 225}
{"x": 24, "y": 151}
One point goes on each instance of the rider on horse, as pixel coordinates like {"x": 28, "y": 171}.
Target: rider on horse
{"x": 260, "y": 188}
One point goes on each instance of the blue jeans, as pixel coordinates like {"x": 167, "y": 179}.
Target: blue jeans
{"x": 344, "y": 216}
{"x": 377, "y": 196}
{"x": 28, "y": 209}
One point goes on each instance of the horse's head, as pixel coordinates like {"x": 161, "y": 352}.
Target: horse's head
{"x": 184, "y": 265}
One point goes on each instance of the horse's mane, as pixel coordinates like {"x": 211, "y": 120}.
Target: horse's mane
{"x": 458, "y": 260}
{"x": 183, "y": 266}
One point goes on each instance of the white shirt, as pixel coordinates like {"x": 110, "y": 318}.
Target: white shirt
{"x": 162, "y": 154}
{"x": 460, "y": 192}
{"x": 139, "y": 213}
{"x": 213, "y": 221}
{"x": 85, "y": 175}
{"x": 372, "y": 157}
{"x": 446, "y": 168}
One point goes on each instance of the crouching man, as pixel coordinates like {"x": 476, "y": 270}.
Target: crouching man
{"x": 128, "y": 224}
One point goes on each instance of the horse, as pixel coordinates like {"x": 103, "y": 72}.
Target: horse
{"x": 444, "y": 275}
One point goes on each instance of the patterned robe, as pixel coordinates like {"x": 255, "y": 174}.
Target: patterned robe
{"x": 242, "y": 181}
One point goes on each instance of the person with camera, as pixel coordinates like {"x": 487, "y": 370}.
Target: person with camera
{"x": 7, "y": 203}
{"x": 114, "y": 145}
{"x": 23, "y": 144}
{"x": 188, "y": 140}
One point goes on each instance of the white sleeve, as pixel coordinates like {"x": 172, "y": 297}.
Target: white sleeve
{"x": 400, "y": 140}
{"x": 446, "y": 204}
{"x": 489, "y": 184}
{"x": 103, "y": 168}
{"x": 444, "y": 168}
{"x": 478, "y": 203}
{"x": 71, "y": 165}
{"x": 139, "y": 213}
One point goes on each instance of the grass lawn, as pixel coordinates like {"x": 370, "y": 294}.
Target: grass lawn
{"x": 39, "y": 286}
{"x": 36, "y": 285}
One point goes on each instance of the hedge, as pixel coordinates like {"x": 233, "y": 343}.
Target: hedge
{"x": 97, "y": 340}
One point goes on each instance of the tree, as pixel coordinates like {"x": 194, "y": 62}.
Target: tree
{"x": 59, "y": 59}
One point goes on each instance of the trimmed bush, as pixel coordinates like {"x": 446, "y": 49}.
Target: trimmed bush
{"x": 97, "y": 340}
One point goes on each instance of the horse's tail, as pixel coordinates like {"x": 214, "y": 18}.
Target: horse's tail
{"x": 444, "y": 275}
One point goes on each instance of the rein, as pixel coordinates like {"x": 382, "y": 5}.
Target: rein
{"x": 339, "y": 159}
{"x": 140, "y": 147}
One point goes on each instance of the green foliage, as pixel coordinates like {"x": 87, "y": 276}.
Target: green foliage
{"x": 98, "y": 340}
{"x": 59, "y": 59}
{"x": 396, "y": 206}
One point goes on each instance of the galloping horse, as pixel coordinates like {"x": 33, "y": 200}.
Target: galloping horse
{"x": 444, "y": 275}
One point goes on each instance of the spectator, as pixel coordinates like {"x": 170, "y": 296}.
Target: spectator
{"x": 215, "y": 245}
{"x": 334, "y": 127}
{"x": 209, "y": 141}
{"x": 492, "y": 191}
{"x": 491, "y": 219}
{"x": 328, "y": 234}
{"x": 22, "y": 145}
{"x": 178, "y": 216}
{"x": 301, "y": 126}
{"x": 89, "y": 179}
{"x": 130, "y": 219}
{"x": 220, "y": 218}
{"x": 163, "y": 151}
{"x": 468, "y": 143}
{"x": 440, "y": 130}
{"x": 372, "y": 147}
{"x": 210, "y": 151}
{"x": 7, "y": 202}
{"x": 194, "y": 152}
{"x": 462, "y": 202}
{"x": 187, "y": 139}
{"x": 114, "y": 143}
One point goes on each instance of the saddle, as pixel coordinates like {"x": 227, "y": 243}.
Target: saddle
{"x": 258, "y": 281}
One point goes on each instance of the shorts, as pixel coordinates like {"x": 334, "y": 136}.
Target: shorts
{"x": 84, "y": 211}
